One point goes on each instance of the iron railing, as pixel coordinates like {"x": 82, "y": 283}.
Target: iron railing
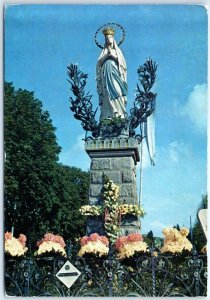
{"x": 146, "y": 275}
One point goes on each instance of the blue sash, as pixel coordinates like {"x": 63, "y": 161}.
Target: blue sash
{"x": 111, "y": 75}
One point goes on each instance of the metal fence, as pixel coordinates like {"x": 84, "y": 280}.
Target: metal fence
{"x": 146, "y": 275}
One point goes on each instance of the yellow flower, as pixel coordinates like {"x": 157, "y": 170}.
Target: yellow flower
{"x": 175, "y": 240}
{"x": 49, "y": 246}
{"x": 155, "y": 254}
{"x": 184, "y": 231}
{"x": 129, "y": 249}
{"x": 14, "y": 248}
{"x": 97, "y": 248}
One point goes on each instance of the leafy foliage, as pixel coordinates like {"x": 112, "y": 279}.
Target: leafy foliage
{"x": 81, "y": 106}
{"x": 72, "y": 190}
{"x": 40, "y": 194}
{"x": 144, "y": 103}
{"x": 149, "y": 238}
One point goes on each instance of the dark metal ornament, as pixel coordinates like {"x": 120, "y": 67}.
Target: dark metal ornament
{"x": 109, "y": 25}
{"x": 144, "y": 105}
{"x": 152, "y": 275}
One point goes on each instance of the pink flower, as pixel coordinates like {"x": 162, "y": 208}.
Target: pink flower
{"x": 50, "y": 237}
{"x": 39, "y": 243}
{"x": 58, "y": 239}
{"x": 94, "y": 237}
{"x": 135, "y": 237}
{"x": 104, "y": 240}
{"x": 120, "y": 242}
{"x": 8, "y": 236}
{"x": 84, "y": 240}
{"x": 22, "y": 239}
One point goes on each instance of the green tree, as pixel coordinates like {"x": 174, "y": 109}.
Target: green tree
{"x": 72, "y": 189}
{"x": 149, "y": 239}
{"x": 199, "y": 238}
{"x": 31, "y": 153}
{"x": 177, "y": 226}
{"x": 40, "y": 194}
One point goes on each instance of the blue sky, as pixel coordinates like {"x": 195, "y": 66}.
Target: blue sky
{"x": 41, "y": 40}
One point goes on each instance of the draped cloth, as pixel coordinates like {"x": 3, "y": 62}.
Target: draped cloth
{"x": 149, "y": 133}
{"x": 111, "y": 79}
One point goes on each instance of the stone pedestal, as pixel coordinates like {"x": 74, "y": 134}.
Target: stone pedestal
{"x": 116, "y": 158}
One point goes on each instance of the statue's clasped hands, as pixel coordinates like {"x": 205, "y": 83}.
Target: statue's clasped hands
{"x": 112, "y": 53}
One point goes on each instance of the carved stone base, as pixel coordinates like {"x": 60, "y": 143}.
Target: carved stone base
{"x": 130, "y": 224}
{"x": 117, "y": 159}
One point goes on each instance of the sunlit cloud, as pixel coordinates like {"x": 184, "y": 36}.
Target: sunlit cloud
{"x": 195, "y": 108}
{"x": 156, "y": 226}
{"x": 178, "y": 150}
{"x": 175, "y": 152}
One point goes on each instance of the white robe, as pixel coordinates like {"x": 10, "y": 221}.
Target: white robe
{"x": 111, "y": 79}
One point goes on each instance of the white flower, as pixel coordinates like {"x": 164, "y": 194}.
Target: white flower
{"x": 14, "y": 248}
{"x": 97, "y": 248}
{"x": 49, "y": 246}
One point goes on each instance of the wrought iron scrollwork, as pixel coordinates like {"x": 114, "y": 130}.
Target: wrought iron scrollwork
{"x": 82, "y": 105}
{"x": 144, "y": 105}
{"x": 146, "y": 275}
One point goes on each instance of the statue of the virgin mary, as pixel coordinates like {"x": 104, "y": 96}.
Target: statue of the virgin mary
{"x": 111, "y": 76}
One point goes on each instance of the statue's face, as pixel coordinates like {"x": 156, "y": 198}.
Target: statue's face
{"x": 109, "y": 40}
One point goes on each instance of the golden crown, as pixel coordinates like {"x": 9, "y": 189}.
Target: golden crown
{"x": 108, "y": 31}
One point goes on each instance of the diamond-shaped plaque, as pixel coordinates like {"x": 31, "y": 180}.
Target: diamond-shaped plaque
{"x": 68, "y": 274}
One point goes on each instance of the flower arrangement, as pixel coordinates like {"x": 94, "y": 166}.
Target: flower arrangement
{"x": 91, "y": 210}
{"x": 131, "y": 209}
{"x": 51, "y": 243}
{"x": 110, "y": 194}
{"x": 94, "y": 244}
{"x": 112, "y": 209}
{"x": 128, "y": 246}
{"x": 176, "y": 240}
{"x": 13, "y": 246}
